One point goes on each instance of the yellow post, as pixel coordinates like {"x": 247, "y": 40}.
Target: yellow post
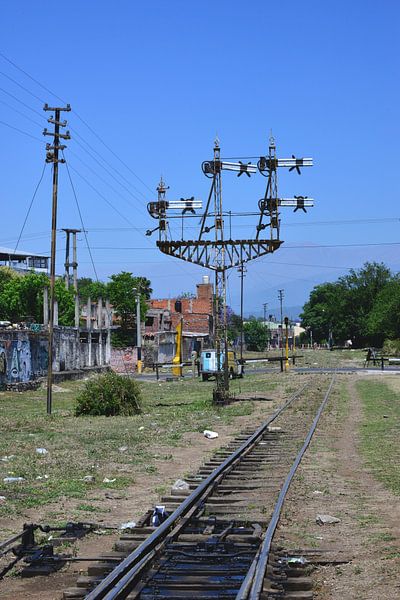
{"x": 294, "y": 344}
{"x": 287, "y": 344}
{"x": 178, "y": 354}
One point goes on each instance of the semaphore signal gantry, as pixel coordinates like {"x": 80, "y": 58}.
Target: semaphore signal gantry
{"x": 211, "y": 249}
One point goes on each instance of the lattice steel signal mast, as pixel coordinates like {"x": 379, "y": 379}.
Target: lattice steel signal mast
{"x": 211, "y": 250}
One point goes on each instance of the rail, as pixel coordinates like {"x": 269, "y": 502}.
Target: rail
{"x": 253, "y": 583}
{"x": 114, "y": 585}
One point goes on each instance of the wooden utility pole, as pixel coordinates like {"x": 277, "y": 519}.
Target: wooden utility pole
{"x": 52, "y": 157}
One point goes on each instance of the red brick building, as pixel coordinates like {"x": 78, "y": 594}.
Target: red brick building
{"x": 197, "y": 312}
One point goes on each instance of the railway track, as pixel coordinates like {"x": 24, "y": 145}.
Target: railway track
{"x": 217, "y": 537}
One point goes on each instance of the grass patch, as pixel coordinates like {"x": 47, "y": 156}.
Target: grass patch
{"x": 120, "y": 447}
{"x": 379, "y": 438}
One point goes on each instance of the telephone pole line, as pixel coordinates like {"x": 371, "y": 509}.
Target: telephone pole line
{"x": 52, "y": 152}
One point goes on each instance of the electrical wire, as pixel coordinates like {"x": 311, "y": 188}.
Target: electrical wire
{"x": 109, "y": 185}
{"x": 113, "y": 153}
{"x": 75, "y": 112}
{"x": 21, "y": 86}
{"x": 283, "y": 247}
{"x": 30, "y": 77}
{"x": 80, "y": 216}
{"x": 139, "y": 230}
{"x": 20, "y": 113}
{"x": 30, "y": 206}
{"x": 21, "y": 131}
{"x": 340, "y": 245}
{"x": 105, "y": 161}
{"x": 22, "y": 102}
{"x": 105, "y": 199}
{"x": 37, "y": 82}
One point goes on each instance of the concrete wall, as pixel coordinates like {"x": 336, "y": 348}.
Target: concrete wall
{"x": 24, "y": 353}
{"x": 23, "y": 356}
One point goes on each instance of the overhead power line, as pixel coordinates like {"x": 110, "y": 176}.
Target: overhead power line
{"x": 283, "y": 247}
{"x": 109, "y": 184}
{"x": 21, "y": 131}
{"x": 19, "y": 112}
{"x": 22, "y": 87}
{"x": 29, "y": 207}
{"x": 91, "y": 129}
{"x": 80, "y": 216}
{"x": 114, "y": 208}
{"x": 107, "y": 163}
{"x": 21, "y": 102}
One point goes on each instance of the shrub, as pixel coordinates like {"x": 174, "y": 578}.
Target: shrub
{"x": 391, "y": 348}
{"x": 109, "y": 395}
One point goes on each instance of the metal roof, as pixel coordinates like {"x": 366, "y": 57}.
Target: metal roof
{"x": 6, "y": 253}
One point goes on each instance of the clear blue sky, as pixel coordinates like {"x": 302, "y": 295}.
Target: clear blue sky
{"x": 157, "y": 80}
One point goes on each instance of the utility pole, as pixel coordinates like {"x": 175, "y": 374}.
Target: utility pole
{"x": 52, "y": 157}
{"x": 280, "y": 296}
{"x": 138, "y": 332}
{"x": 242, "y": 272}
{"x": 74, "y": 263}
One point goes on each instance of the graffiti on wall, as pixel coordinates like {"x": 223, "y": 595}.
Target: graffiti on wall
{"x": 21, "y": 365}
{"x": 15, "y": 361}
{"x": 3, "y": 364}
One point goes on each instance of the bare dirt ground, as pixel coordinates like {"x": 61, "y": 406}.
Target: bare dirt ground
{"x": 333, "y": 480}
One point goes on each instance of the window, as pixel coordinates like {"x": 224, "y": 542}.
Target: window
{"x": 36, "y": 262}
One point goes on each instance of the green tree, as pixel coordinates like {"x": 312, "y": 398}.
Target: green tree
{"x": 87, "y": 288}
{"x": 384, "y": 318}
{"x": 324, "y": 312}
{"x": 122, "y": 292}
{"x": 66, "y": 303}
{"x": 234, "y": 327}
{"x": 255, "y": 335}
{"x": 343, "y": 307}
{"x": 22, "y": 296}
{"x": 362, "y": 288}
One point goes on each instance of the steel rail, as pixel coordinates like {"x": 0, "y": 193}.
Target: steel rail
{"x": 252, "y": 585}
{"x": 108, "y": 587}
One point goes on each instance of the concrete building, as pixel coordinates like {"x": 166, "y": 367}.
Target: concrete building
{"x": 22, "y": 261}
